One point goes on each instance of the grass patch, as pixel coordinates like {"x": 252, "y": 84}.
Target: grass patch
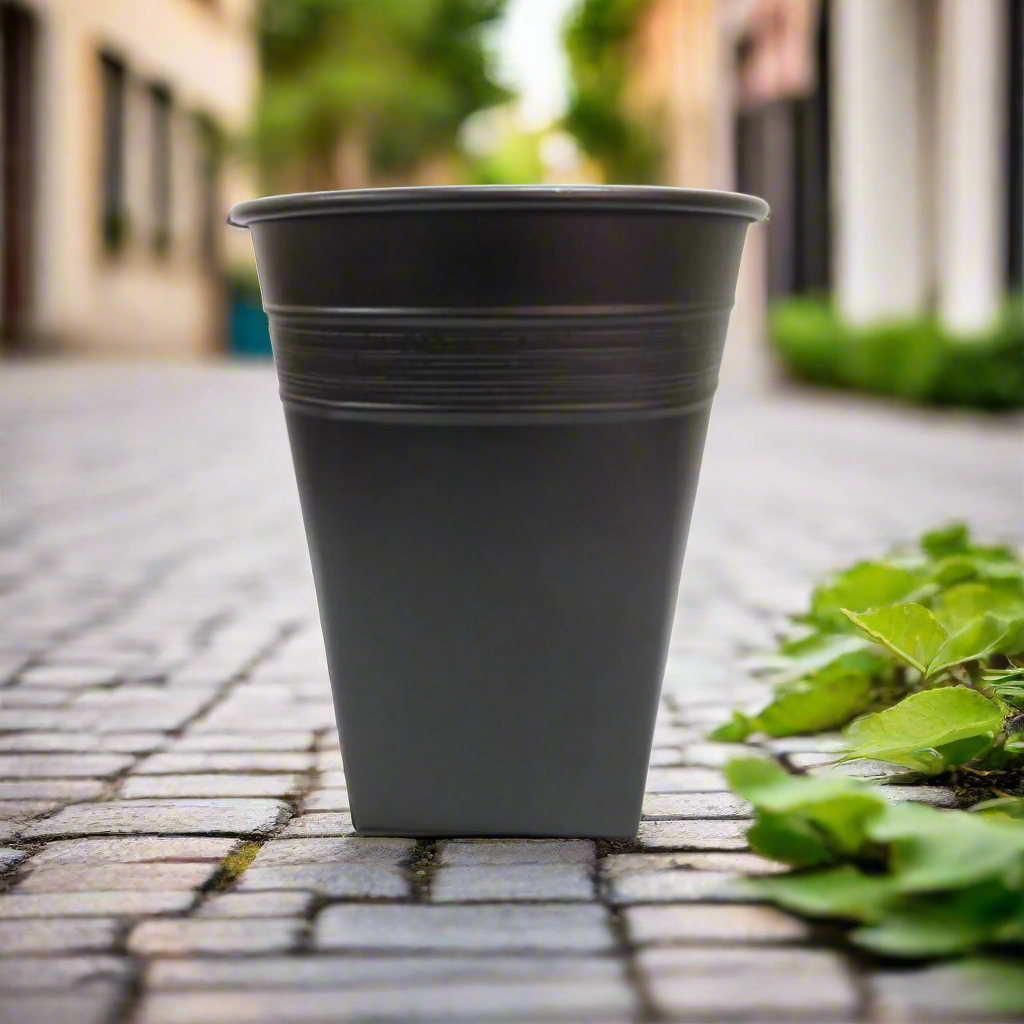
{"x": 233, "y": 866}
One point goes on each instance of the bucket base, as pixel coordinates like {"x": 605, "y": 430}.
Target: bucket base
{"x": 404, "y": 834}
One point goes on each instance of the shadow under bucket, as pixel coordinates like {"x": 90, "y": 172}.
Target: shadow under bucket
{"x": 497, "y": 400}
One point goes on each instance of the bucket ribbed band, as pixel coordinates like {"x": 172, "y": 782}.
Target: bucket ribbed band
{"x": 340, "y": 362}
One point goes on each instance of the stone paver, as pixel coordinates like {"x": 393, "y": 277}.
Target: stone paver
{"x": 675, "y": 887}
{"x": 247, "y": 743}
{"x": 684, "y": 780}
{"x": 263, "y": 935}
{"x": 96, "y": 1005}
{"x": 349, "y": 850}
{"x": 947, "y": 992}
{"x": 734, "y": 984}
{"x": 47, "y": 766}
{"x": 485, "y": 883}
{"x": 104, "y": 903}
{"x": 143, "y": 787}
{"x": 9, "y": 857}
{"x": 340, "y": 881}
{"x": 494, "y": 1001}
{"x": 257, "y": 904}
{"x": 170, "y": 817}
{"x": 175, "y": 836}
{"x": 466, "y": 852}
{"x": 667, "y": 806}
{"x": 115, "y": 877}
{"x": 692, "y": 835}
{"x": 319, "y": 825}
{"x": 504, "y": 928}
{"x": 53, "y": 789}
{"x": 332, "y": 799}
{"x": 22, "y": 974}
{"x": 132, "y": 850}
{"x": 702, "y": 923}
{"x": 374, "y": 970}
{"x": 200, "y": 762}
{"x": 622, "y": 864}
{"x": 52, "y": 936}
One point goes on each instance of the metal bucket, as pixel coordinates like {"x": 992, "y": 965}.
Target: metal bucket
{"x": 497, "y": 400}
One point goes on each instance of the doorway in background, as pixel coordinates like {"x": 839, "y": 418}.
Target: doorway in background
{"x": 1015, "y": 151}
{"x": 782, "y": 143}
{"x": 18, "y": 61}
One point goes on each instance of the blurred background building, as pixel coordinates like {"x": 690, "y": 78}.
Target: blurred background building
{"x": 888, "y": 136}
{"x": 113, "y": 186}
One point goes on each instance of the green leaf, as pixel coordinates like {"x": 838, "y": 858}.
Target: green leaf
{"x": 910, "y": 631}
{"x": 1003, "y": 806}
{"x": 842, "y": 892}
{"x": 934, "y": 850}
{"x": 961, "y": 752}
{"x": 997, "y": 985}
{"x": 811, "y": 653}
{"x": 1012, "y": 642}
{"x": 831, "y": 810}
{"x": 790, "y": 839}
{"x": 946, "y": 540}
{"x": 823, "y": 701}
{"x": 957, "y": 923}
{"x": 976, "y": 640}
{"x": 914, "y": 733}
{"x": 964, "y": 603}
{"x": 769, "y": 787}
{"x": 736, "y": 730}
{"x": 959, "y": 568}
{"x": 953, "y": 570}
{"x": 865, "y": 585}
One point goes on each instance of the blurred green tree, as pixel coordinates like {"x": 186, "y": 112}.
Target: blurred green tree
{"x": 379, "y": 84}
{"x": 598, "y": 35}
{"x": 512, "y": 158}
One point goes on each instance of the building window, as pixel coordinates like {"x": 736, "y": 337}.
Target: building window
{"x": 114, "y": 214}
{"x": 208, "y": 174}
{"x": 160, "y": 121}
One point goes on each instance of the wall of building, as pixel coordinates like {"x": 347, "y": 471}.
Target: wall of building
{"x": 689, "y": 96}
{"x": 137, "y": 299}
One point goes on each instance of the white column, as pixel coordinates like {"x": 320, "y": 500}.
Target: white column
{"x": 970, "y": 161}
{"x": 880, "y": 206}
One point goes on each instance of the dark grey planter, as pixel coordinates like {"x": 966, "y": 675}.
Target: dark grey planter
{"x": 497, "y": 400}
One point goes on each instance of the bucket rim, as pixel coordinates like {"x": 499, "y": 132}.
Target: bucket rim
{"x": 499, "y": 197}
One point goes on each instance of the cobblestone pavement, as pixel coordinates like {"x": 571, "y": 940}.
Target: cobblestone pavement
{"x": 174, "y": 838}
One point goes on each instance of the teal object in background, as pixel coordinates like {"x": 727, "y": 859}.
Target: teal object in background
{"x": 248, "y": 333}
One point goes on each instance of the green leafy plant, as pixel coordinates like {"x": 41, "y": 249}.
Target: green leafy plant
{"x": 915, "y": 360}
{"x": 923, "y": 644}
{"x": 933, "y": 638}
{"x": 917, "y": 881}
